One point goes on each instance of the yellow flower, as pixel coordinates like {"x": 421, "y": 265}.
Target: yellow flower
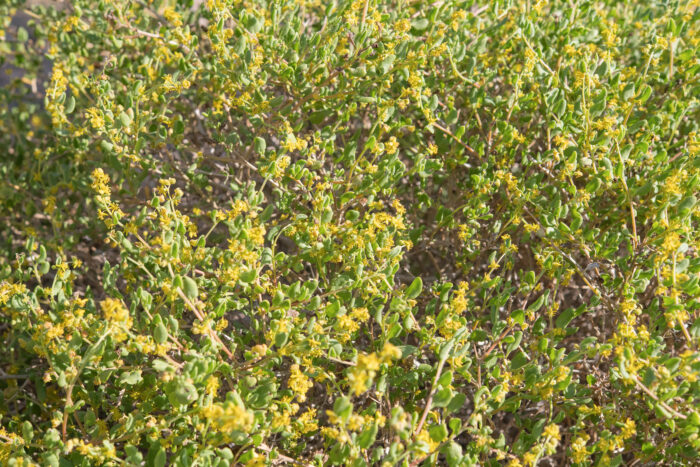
{"x": 390, "y": 352}
{"x": 172, "y": 16}
{"x": 360, "y": 314}
{"x": 629, "y": 429}
{"x": 229, "y": 417}
{"x": 308, "y": 421}
{"x": 114, "y": 311}
{"x": 260, "y": 350}
{"x": 671, "y": 244}
{"x": 424, "y": 436}
{"x": 402, "y": 25}
{"x": 368, "y": 362}
{"x": 96, "y": 120}
{"x": 529, "y": 228}
{"x": 530, "y": 458}
{"x": 553, "y": 436}
{"x": 347, "y": 324}
{"x": 100, "y": 181}
{"x": 299, "y": 382}
{"x": 212, "y": 385}
{"x": 361, "y": 374}
{"x": 392, "y": 145}
{"x": 579, "y": 450}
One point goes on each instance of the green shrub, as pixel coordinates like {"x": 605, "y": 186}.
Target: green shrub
{"x": 349, "y": 233}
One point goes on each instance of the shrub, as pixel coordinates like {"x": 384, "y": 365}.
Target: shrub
{"x": 349, "y": 233}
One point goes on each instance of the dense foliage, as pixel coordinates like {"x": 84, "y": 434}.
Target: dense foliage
{"x": 349, "y": 232}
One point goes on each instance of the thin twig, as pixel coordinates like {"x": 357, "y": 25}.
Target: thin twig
{"x": 364, "y": 14}
{"x": 469, "y": 149}
{"x": 429, "y": 401}
{"x": 656, "y": 398}
{"x": 143, "y": 33}
{"x": 5, "y": 376}
{"x": 200, "y": 317}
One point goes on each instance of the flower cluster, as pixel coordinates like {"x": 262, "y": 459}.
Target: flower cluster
{"x": 349, "y": 233}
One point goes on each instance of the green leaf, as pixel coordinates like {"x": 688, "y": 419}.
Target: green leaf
{"x": 320, "y": 115}
{"x": 248, "y": 276}
{"x": 445, "y": 350}
{"x": 131, "y": 377}
{"x": 455, "y": 425}
{"x": 445, "y": 379}
{"x": 457, "y": 402}
{"x": 160, "y": 458}
{"x": 415, "y": 288}
{"x": 189, "y": 286}
{"x": 644, "y": 93}
{"x": 438, "y": 433}
{"x": 27, "y": 431}
{"x": 419, "y": 25}
{"x": 343, "y": 407}
{"x": 43, "y": 267}
{"x": 386, "y": 64}
{"x": 672, "y": 364}
{"x": 133, "y": 455}
{"x": 368, "y": 436}
{"x": 177, "y": 281}
{"x": 559, "y": 107}
{"x": 281, "y": 339}
{"x": 173, "y": 323}
{"x": 326, "y": 216}
{"x": 160, "y": 333}
{"x": 453, "y": 453}
{"x": 442, "y": 397}
{"x": 124, "y": 119}
{"x": 514, "y": 342}
{"x": 518, "y": 316}
{"x": 564, "y": 318}
{"x": 106, "y": 145}
{"x": 70, "y": 105}
{"x": 181, "y": 392}
{"x": 537, "y": 304}
{"x": 259, "y": 145}
{"x": 687, "y": 204}
{"x": 519, "y": 360}
{"x": 608, "y": 166}
{"x": 593, "y": 185}
{"x": 254, "y": 25}
{"x": 22, "y": 34}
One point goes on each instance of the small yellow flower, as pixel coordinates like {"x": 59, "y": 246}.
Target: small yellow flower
{"x": 299, "y": 382}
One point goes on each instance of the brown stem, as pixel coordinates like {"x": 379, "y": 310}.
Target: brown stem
{"x": 429, "y": 401}
{"x": 200, "y": 317}
{"x": 658, "y": 401}
{"x": 469, "y": 149}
